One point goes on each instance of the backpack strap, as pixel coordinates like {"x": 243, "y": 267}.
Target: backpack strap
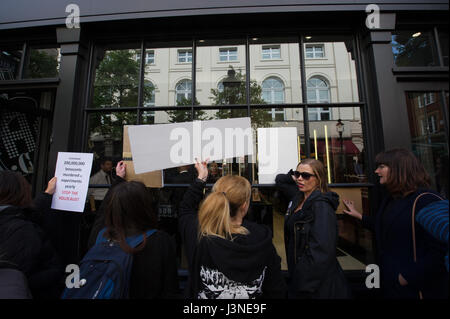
{"x": 414, "y": 229}
{"x": 132, "y": 241}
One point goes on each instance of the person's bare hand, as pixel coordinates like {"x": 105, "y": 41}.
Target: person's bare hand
{"x": 121, "y": 169}
{"x": 351, "y": 210}
{"x": 402, "y": 280}
{"x": 51, "y": 186}
{"x": 202, "y": 169}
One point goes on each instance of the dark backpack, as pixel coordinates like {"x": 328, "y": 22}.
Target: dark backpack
{"x": 105, "y": 270}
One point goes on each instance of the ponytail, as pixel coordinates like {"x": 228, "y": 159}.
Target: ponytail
{"x": 228, "y": 195}
{"x": 214, "y": 216}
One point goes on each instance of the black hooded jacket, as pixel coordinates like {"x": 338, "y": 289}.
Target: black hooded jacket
{"x": 245, "y": 267}
{"x": 311, "y": 236}
{"x": 26, "y": 247}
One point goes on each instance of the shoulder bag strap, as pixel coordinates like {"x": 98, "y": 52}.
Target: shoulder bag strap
{"x": 414, "y": 228}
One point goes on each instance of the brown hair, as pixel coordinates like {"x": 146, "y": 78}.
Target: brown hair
{"x": 14, "y": 189}
{"x": 320, "y": 172}
{"x": 129, "y": 210}
{"x": 406, "y": 173}
{"x": 228, "y": 194}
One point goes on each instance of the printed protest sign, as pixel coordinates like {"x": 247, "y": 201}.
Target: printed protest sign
{"x": 72, "y": 174}
{"x": 156, "y": 147}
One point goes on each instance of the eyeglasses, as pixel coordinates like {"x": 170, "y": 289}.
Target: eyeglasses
{"x": 304, "y": 175}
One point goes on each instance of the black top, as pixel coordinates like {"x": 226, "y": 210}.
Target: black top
{"x": 26, "y": 247}
{"x": 311, "y": 236}
{"x": 393, "y": 233}
{"x": 245, "y": 267}
{"x": 154, "y": 273}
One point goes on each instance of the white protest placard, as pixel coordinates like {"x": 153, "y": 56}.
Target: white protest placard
{"x": 72, "y": 181}
{"x": 157, "y": 147}
{"x": 277, "y": 152}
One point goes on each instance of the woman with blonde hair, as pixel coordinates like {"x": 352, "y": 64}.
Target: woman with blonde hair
{"x": 311, "y": 234}
{"x": 229, "y": 257}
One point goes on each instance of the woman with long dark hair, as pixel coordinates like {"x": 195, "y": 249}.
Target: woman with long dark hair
{"x": 311, "y": 233}
{"x": 128, "y": 210}
{"x": 411, "y": 261}
{"x": 229, "y": 257}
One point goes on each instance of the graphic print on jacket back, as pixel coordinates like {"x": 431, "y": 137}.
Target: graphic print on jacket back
{"x": 217, "y": 286}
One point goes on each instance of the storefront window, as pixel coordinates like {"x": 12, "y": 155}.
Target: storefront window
{"x": 428, "y": 136}
{"x": 9, "y": 63}
{"x": 414, "y": 48}
{"x": 220, "y": 73}
{"x": 170, "y": 71}
{"x": 117, "y": 78}
{"x": 105, "y": 133}
{"x": 22, "y": 115}
{"x": 221, "y": 91}
{"x": 443, "y": 42}
{"x": 42, "y": 62}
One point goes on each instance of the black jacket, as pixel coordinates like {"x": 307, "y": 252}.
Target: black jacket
{"x": 311, "y": 236}
{"x": 393, "y": 232}
{"x": 245, "y": 267}
{"x": 154, "y": 271}
{"x": 26, "y": 247}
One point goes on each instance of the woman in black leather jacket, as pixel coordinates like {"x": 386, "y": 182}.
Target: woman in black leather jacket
{"x": 311, "y": 233}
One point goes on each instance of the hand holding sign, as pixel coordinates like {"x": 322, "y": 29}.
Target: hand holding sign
{"x": 202, "y": 169}
{"x": 121, "y": 168}
{"x": 51, "y": 186}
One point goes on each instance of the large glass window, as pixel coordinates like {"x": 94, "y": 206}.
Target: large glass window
{"x": 269, "y": 89}
{"x": 116, "y": 82}
{"x": 9, "y": 63}
{"x": 22, "y": 131}
{"x": 414, "y": 48}
{"x": 168, "y": 71}
{"x": 428, "y": 135}
{"x": 220, "y": 72}
{"x": 42, "y": 62}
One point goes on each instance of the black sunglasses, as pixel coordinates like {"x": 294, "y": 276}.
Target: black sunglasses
{"x": 304, "y": 175}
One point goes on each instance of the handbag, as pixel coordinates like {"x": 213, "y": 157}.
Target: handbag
{"x": 414, "y": 229}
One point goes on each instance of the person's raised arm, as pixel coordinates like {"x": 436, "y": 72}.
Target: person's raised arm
{"x": 367, "y": 221}
{"x": 287, "y": 185}
{"x": 188, "y": 210}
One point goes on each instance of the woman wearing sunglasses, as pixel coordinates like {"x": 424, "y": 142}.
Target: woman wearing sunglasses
{"x": 310, "y": 234}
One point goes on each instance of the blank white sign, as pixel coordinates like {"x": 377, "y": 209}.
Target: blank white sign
{"x": 157, "y": 147}
{"x": 277, "y": 152}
